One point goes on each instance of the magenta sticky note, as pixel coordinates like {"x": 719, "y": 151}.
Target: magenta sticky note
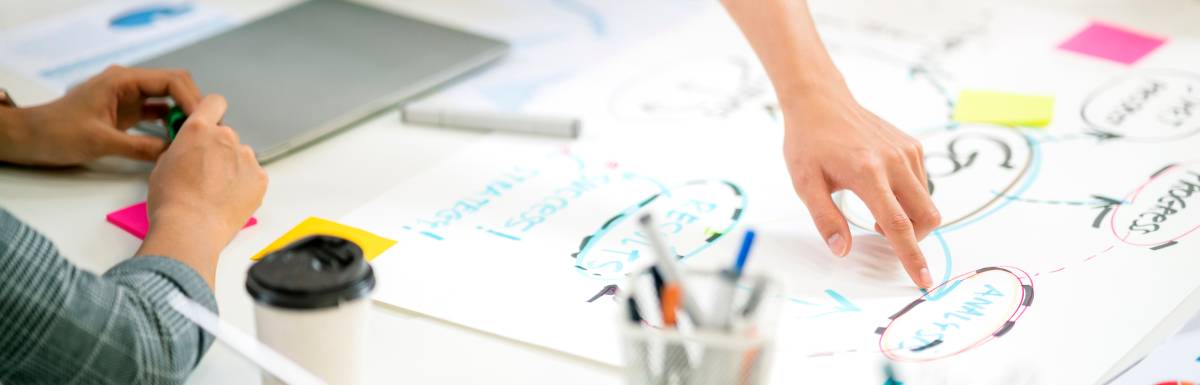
{"x": 1111, "y": 42}
{"x": 136, "y": 220}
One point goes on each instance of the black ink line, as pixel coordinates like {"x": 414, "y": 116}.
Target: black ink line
{"x": 648, "y": 200}
{"x": 927, "y": 346}
{"x": 1163, "y": 246}
{"x": 1004, "y": 329}
{"x": 1103, "y": 135}
{"x": 1109, "y": 203}
{"x": 1028, "y": 295}
{"x": 907, "y": 308}
{"x": 611, "y": 220}
{"x": 1162, "y": 170}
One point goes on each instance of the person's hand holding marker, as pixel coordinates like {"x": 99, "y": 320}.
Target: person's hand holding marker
{"x": 831, "y": 143}
{"x": 203, "y": 189}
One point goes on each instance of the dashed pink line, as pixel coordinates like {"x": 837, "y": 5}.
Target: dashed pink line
{"x": 1089, "y": 258}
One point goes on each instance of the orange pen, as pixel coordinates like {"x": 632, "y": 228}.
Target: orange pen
{"x": 670, "y": 301}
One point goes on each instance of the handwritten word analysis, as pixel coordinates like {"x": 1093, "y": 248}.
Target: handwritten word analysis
{"x": 961, "y": 314}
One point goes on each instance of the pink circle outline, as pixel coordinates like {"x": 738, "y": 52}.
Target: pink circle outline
{"x": 1132, "y": 197}
{"x": 1016, "y": 315}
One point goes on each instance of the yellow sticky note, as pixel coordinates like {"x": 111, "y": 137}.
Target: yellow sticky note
{"x": 1003, "y": 108}
{"x": 372, "y": 245}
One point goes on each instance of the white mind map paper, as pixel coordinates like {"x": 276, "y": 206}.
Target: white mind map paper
{"x": 1061, "y": 247}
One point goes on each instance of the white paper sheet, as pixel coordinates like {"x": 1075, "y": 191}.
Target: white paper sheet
{"x": 65, "y": 49}
{"x": 1051, "y": 268}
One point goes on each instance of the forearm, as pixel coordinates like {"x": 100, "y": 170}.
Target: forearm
{"x": 64, "y": 325}
{"x": 11, "y": 120}
{"x": 194, "y": 240}
{"x": 783, "y": 35}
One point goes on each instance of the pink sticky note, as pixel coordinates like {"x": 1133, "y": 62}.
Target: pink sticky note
{"x": 136, "y": 220}
{"x": 1111, "y": 42}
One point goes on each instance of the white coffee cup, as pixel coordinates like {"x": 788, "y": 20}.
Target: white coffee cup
{"x": 312, "y": 303}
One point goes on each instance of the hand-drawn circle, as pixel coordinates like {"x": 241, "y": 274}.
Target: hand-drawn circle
{"x": 709, "y": 87}
{"x": 1131, "y": 200}
{"x": 724, "y": 217}
{"x": 1123, "y": 108}
{"x": 1019, "y": 160}
{"x": 912, "y": 319}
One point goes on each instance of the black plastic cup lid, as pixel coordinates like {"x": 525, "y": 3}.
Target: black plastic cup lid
{"x": 316, "y": 272}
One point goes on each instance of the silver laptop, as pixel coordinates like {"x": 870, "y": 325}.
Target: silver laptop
{"x": 322, "y": 65}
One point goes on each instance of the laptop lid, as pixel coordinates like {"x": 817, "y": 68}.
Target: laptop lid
{"x": 303, "y": 73}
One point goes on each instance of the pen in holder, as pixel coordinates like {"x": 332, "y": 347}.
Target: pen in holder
{"x": 662, "y": 344}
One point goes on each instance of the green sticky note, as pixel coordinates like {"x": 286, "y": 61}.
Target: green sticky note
{"x": 1004, "y": 108}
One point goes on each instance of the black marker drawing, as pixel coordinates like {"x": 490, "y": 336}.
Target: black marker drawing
{"x": 970, "y": 169}
{"x": 1105, "y": 208}
{"x": 960, "y": 155}
{"x": 611, "y": 290}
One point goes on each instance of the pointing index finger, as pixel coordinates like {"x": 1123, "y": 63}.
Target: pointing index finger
{"x": 899, "y": 231}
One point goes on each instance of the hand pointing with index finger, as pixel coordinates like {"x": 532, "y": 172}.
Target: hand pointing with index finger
{"x": 837, "y": 145}
{"x": 831, "y": 143}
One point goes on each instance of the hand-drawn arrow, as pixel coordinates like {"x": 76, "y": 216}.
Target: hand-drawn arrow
{"x": 840, "y": 305}
{"x": 1089, "y": 133}
{"x": 1102, "y": 135}
{"x": 1106, "y": 206}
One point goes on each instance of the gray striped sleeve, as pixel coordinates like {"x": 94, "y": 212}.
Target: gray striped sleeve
{"x": 63, "y": 325}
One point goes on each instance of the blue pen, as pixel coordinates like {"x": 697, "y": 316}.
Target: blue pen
{"x": 723, "y": 308}
{"x": 744, "y": 253}
{"x": 718, "y": 364}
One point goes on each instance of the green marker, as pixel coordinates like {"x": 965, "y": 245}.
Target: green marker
{"x": 175, "y": 119}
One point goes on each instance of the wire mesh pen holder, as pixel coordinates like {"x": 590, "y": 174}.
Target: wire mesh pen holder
{"x": 737, "y": 352}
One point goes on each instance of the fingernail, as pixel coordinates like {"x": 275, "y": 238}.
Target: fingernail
{"x": 926, "y": 281}
{"x": 837, "y": 244}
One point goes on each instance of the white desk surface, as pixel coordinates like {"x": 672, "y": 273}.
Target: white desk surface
{"x": 328, "y": 180}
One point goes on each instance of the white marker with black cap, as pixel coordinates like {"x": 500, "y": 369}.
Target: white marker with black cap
{"x": 491, "y": 121}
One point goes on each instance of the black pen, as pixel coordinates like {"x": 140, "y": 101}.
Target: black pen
{"x": 658, "y": 281}
{"x": 756, "y": 294}
{"x": 634, "y": 314}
